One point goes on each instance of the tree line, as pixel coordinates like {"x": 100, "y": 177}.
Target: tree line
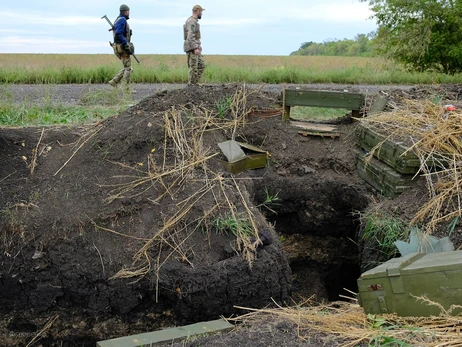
{"x": 361, "y": 46}
{"x": 422, "y": 35}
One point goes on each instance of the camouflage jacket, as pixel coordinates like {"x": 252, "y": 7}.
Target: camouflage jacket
{"x": 192, "y": 34}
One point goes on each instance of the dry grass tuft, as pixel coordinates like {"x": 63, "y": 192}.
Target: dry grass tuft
{"x": 435, "y": 136}
{"x": 12, "y": 234}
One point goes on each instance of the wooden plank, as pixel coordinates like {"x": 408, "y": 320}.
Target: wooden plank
{"x": 313, "y": 126}
{"x": 323, "y": 98}
{"x": 167, "y": 335}
{"x": 309, "y": 133}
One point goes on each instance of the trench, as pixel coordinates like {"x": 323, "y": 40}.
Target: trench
{"x": 318, "y": 225}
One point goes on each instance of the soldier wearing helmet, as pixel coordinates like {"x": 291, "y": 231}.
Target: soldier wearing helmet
{"x": 192, "y": 45}
{"x": 122, "y": 46}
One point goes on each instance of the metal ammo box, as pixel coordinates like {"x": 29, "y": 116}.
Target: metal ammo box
{"x": 394, "y": 286}
{"x": 242, "y": 156}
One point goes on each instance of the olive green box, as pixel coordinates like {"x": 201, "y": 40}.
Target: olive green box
{"x": 392, "y": 153}
{"x": 396, "y": 285}
{"x": 242, "y": 156}
{"x": 381, "y": 176}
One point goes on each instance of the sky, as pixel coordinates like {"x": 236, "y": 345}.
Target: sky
{"x": 231, "y": 27}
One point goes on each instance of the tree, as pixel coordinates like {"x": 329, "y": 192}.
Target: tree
{"x": 306, "y": 44}
{"x": 362, "y": 46}
{"x": 421, "y": 34}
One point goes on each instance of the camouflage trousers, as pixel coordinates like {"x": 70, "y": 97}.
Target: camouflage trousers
{"x": 126, "y": 71}
{"x": 196, "y": 67}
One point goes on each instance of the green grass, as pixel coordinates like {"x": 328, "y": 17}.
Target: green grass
{"x": 317, "y": 113}
{"x": 383, "y": 231}
{"x": 93, "y": 107}
{"x": 229, "y": 225}
{"x": 99, "y": 68}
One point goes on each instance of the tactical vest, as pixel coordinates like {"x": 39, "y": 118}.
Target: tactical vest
{"x": 126, "y": 34}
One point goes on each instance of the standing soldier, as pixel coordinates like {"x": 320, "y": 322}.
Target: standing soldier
{"x": 192, "y": 45}
{"x": 122, "y": 46}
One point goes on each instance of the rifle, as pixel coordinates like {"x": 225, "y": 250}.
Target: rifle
{"x": 112, "y": 28}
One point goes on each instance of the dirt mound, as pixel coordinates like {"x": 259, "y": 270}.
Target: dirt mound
{"x": 133, "y": 224}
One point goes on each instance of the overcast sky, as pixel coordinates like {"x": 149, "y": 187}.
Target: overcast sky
{"x": 244, "y": 27}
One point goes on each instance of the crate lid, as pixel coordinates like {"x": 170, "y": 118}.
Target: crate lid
{"x": 392, "y": 266}
{"x": 433, "y": 262}
{"x": 415, "y": 263}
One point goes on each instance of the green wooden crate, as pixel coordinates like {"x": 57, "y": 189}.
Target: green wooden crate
{"x": 321, "y": 98}
{"x": 324, "y": 98}
{"x": 394, "y": 154}
{"x": 394, "y": 286}
{"x": 382, "y": 177}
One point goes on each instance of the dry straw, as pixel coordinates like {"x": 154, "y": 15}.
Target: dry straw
{"x": 348, "y": 325}
{"x": 184, "y": 162}
{"x": 435, "y": 136}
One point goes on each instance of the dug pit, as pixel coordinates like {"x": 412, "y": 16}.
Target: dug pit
{"x": 133, "y": 224}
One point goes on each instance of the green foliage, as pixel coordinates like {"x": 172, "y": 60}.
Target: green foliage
{"x": 94, "y": 106}
{"x": 230, "y": 225}
{"x": 224, "y": 106}
{"x": 424, "y": 35}
{"x": 381, "y": 339}
{"x": 35, "y": 115}
{"x": 453, "y": 225}
{"x": 323, "y": 113}
{"x": 361, "y": 46}
{"x": 255, "y": 70}
{"x": 383, "y": 231}
{"x": 269, "y": 200}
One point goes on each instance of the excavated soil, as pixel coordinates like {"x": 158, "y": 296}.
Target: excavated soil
{"x": 108, "y": 230}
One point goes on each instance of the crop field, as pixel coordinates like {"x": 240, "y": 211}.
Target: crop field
{"x": 99, "y": 68}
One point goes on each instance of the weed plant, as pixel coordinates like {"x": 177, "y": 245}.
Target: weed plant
{"x": 230, "y": 225}
{"x": 382, "y": 231}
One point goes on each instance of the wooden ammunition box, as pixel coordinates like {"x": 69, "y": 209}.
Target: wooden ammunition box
{"x": 321, "y": 98}
{"x": 382, "y": 177}
{"x": 394, "y": 154}
{"x": 399, "y": 285}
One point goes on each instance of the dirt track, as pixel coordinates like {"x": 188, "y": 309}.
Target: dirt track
{"x": 71, "y": 93}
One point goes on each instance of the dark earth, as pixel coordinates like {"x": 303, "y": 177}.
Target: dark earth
{"x": 113, "y": 229}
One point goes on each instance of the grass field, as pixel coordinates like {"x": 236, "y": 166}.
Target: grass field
{"x": 99, "y": 68}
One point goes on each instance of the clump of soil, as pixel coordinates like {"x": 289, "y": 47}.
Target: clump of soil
{"x": 133, "y": 224}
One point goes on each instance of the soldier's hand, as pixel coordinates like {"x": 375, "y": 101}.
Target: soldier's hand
{"x": 128, "y": 49}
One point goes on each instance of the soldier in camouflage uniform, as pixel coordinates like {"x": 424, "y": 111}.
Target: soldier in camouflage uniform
{"x": 192, "y": 45}
{"x": 122, "y": 46}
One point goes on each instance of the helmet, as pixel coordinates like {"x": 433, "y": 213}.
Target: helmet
{"x": 124, "y": 7}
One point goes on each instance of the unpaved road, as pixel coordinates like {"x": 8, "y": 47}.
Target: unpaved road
{"x": 71, "y": 93}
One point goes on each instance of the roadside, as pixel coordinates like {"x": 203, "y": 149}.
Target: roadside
{"x": 71, "y": 94}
